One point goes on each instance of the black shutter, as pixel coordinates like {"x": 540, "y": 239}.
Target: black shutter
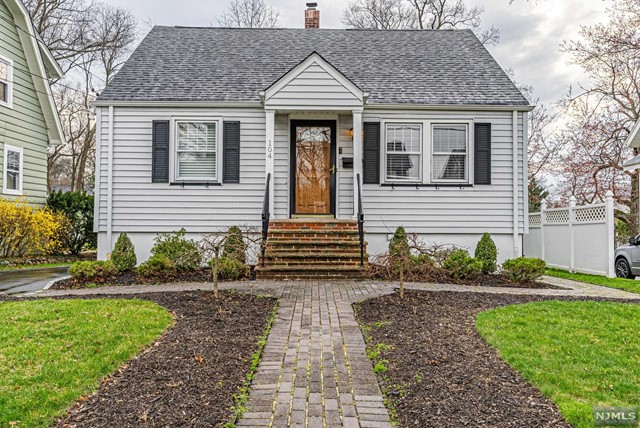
{"x": 160, "y": 152}
{"x": 371, "y": 153}
{"x": 231, "y": 149}
{"x": 482, "y": 154}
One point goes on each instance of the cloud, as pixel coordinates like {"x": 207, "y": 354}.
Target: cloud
{"x": 531, "y": 31}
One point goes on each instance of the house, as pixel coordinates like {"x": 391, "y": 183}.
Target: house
{"x": 633, "y": 140}
{"x": 205, "y": 128}
{"x": 29, "y": 122}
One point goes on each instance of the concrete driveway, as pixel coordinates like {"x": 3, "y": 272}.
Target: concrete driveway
{"x": 29, "y": 280}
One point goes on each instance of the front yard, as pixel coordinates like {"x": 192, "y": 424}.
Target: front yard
{"x": 54, "y": 351}
{"x": 78, "y": 362}
{"x": 579, "y": 354}
{"x": 562, "y": 358}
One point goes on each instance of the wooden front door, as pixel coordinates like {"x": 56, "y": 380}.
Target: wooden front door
{"x": 313, "y": 167}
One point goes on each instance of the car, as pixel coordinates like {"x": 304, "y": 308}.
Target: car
{"x": 627, "y": 259}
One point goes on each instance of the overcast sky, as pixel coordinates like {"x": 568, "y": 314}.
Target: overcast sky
{"x": 531, "y": 31}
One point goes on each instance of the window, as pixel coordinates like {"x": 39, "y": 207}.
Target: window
{"x": 6, "y": 81}
{"x": 403, "y": 152}
{"x": 450, "y": 153}
{"x": 12, "y": 170}
{"x": 197, "y": 151}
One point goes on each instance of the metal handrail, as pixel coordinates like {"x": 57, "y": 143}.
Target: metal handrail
{"x": 266, "y": 216}
{"x": 360, "y": 221}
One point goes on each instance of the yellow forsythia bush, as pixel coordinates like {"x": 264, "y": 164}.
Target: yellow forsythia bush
{"x": 25, "y": 230}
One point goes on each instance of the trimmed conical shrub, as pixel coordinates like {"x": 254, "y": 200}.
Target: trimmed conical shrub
{"x": 124, "y": 254}
{"x": 487, "y": 253}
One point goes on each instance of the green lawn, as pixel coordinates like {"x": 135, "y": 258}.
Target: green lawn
{"x": 620, "y": 283}
{"x": 579, "y": 354}
{"x": 40, "y": 266}
{"x": 54, "y": 351}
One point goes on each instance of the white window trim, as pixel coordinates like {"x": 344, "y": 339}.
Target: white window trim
{"x": 9, "y": 82}
{"x": 384, "y": 125}
{"x": 469, "y": 151}
{"x": 174, "y": 147}
{"x": 5, "y": 190}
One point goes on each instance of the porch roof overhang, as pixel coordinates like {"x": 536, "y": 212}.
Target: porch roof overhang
{"x": 632, "y": 164}
{"x": 633, "y": 140}
{"x": 313, "y": 85}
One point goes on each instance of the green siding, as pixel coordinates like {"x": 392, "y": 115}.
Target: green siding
{"x": 23, "y": 125}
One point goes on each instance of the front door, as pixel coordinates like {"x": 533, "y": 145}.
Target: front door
{"x": 313, "y": 167}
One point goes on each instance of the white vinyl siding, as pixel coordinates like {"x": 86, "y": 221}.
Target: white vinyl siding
{"x": 403, "y": 152}
{"x": 197, "y": 151}
{"x": 450, "y": 153}
{"x": 13, "y": 170}
{"x": 436, "y": 208}
{"x": 142, "y": 206}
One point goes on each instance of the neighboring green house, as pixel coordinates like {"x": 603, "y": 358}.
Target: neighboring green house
{"x": 29, "y": 121}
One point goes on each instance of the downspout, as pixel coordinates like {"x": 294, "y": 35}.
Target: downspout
{"x": 515, "y": 184}
{"x": 525, "y": 173}
{"x": 98, "y": 172}
{"x": 110, "y": 185}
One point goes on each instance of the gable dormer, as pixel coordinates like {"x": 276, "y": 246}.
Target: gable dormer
{"x": 314, "y": 84}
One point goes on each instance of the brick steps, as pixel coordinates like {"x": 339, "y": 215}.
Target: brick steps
{"x": 312, "y": 249}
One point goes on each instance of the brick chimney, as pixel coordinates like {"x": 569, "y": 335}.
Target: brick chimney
{"x": 312, "y": 16}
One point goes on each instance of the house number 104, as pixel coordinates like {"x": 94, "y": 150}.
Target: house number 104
{"x": 269, "y": 150}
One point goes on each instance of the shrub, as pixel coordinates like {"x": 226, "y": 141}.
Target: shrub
{"x": 234, "y": 245}
{"x": 230, "y": 269}
{"x": 184, "y": 253}
{"x": 157, "y": 264}
{"x": 487, "y": 253}
{"x": 124, "y": 254}
{"x": 399, "y": 254}
{"x": 459, "y": 265}
{"x": 97, "y": 271}
{"x": 524, "y": 269}
{"x": 78, "y": 208}
{"x": 25, "y": 230}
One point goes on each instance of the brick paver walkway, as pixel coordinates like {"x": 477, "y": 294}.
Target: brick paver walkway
{"x": 315, "y": 371}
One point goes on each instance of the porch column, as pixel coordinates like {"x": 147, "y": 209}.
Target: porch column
{"x": 270, "y": 116}
{"x": 357, "y": 157}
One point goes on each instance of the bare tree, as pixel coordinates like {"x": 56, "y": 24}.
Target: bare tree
{"x": 378, "y": 15}
{"x": 603, "y": 113}
{"x": 91, "y": 42}
{"x": 250, "y": 14}
{"x": 417, "y": 14}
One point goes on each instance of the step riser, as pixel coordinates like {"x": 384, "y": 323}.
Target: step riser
{"x": 328, "y": 263}
{"x": 321, "y": 250}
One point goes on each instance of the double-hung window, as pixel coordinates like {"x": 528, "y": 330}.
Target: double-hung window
{"x": 6, "y": 82}
{"x": 12, "y": 180}
{"x": 197, "y": 151}
{"x": 403, "y": 156}
{"x": 450, "y": 153}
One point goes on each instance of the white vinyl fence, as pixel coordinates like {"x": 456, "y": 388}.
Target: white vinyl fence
{"x": 576, "y": 238}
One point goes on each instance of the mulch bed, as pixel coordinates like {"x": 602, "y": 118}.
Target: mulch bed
{"x": 446, "y": 372}
{"x": 132, "y": 278}
{"x": 189, "y": 376}
{"x": 497, "y": 280}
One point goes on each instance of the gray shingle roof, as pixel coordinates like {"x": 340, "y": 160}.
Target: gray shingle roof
{"x": 446, "y": 67}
